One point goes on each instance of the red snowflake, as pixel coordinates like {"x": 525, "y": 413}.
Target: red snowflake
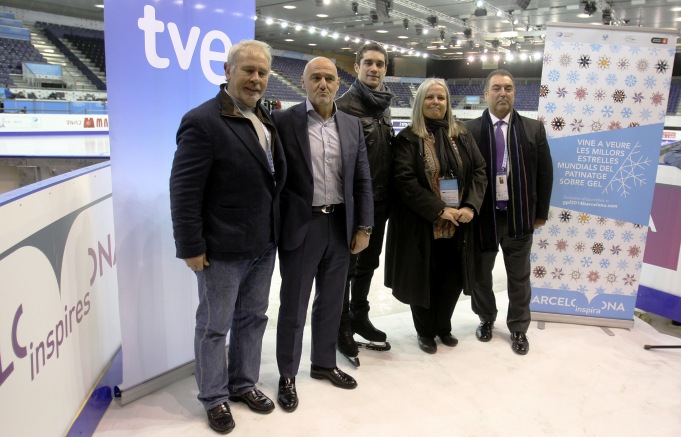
{"x": 557, "y": 273}
{"x": 581, "y": 93}
{"x": 594, "y": 276}
{"x": 629, "y": 279}
{"x": 614, "y": 125}
{"x": 634, "y": 251}
{"x": 561, "y": 245}
{"x": 657, "y": 99}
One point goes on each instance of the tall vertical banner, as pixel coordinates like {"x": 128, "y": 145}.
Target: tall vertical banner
{"x": 603, "y": 101}
{"x": 163, "y": 58}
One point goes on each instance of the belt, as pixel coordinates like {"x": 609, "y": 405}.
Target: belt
{"x": 325, "y": 209}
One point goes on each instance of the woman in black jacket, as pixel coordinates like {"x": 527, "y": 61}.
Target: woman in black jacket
{"x": 440, "y": 183}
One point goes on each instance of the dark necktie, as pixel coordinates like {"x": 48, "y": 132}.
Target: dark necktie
{"x": 500, "y": 141}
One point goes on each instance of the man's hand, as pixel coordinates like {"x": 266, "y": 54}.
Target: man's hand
{"x": 359, "y": 242}
{"x": 197, "y": 263}
{"x": 538, "y": 223}
{"x": 456, "y": 216}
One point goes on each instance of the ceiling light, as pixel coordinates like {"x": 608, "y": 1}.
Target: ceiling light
{"x": 322, "y": 15}
{"x": 355, "y": 8}
{"x": 334, "y": 35}
{"x": 432, "y": 20}
{"x": 289, "y": 7}
{"x": 289, "y": 40}
{"x": 403, "y": 37}
{"x": 356, "y": 40}
{"x": 283, "y": 24}
{"x": 312, "y": 44}
{"x": 480, "y": 12}
{"x": 405, "y": 23}
{"x": 269, "y": 20}
{"x": 298, "y": 27}
{"x": 99, "y": 6}
{"x": 324, "y": 32}
{"x": 382, "y": 31}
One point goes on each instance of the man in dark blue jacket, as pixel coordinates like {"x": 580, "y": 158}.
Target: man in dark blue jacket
{"x": 227, "y": 175}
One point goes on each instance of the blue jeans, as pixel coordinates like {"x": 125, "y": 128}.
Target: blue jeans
{"x": 233, "y": 296}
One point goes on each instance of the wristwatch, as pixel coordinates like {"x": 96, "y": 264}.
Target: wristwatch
{"x": 367, "y": 229}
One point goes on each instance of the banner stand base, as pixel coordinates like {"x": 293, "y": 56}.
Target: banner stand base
{"x": 582, "y": 320}
{"x": 129, "y": 394}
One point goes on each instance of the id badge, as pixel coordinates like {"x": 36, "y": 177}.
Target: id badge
{"x": 449, "y": 192}
{"x": 502, "y": 186}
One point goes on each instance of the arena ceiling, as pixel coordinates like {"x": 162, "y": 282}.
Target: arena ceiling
{"x": 440, "y": 28}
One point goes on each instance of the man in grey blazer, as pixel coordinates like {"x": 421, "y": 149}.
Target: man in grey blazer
{"x": 327, "y": 214}
{"x": 520, "y": 179}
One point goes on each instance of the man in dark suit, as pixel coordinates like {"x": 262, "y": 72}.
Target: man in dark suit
{"x": 327, "y": 214}
{"x": 520, "y": 178}
{"x": 225, "y": 186}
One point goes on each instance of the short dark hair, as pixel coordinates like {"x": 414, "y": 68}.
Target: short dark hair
{"x": 499, "y": 72}
{"x": 371, "y": 45}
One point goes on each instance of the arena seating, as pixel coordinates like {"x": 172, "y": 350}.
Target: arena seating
{"x": 12, "y": 53}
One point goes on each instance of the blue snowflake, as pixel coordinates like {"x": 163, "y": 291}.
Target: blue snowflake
{"x": 607, "y": 111}
{"x": 582, "y": 289}
{"x": 600, "y": 290}
{"x": 667, "y": 83}
{"x": 627, "y": 236}
{"x": 550, "y": 107}
{"x": 611, "y": 79}
{"x": 630, "y": 80}
{"x": 569, "y": 109}
{"x": 596, "y": 47}
{"x": 572, "y": 231}
{"x": 553, "y": 75}
{"x": 618, "y": 291}
{"x": 554, "y": 230}
{"x": 643, "y": 237}
{"x": 534, "y": 257}
{"x": 564, "y": 287}
{"x": 645, "y": 114}
{"x": 671, "y": 52}
{"x": 634, "y": 50}
{"x": 586, "y": 261}
{"x": 590, "y": 233}
{"x": 588, "y": 109}
{"x": 557, "y": 45}
{"x": 537, "y": 231}
{"x": 649, "y": 82}
{"x": 615, "y": 48}
{"x": 568, "y": 260}
{"x": 576, "y": 46}
{"x": 623, "y": 264}
{"x": 609, "y": 234}
{"x": 626, "y": 113}
{"x": 605, "y": 263}
{"x": 592, "y": 78}
{"x": 639, "y": 264}
{"x": 550, "y": 258}
{"x": 573, "y": 77}
{"x": 662, "y": 115}
{"x": 653, "y": 51}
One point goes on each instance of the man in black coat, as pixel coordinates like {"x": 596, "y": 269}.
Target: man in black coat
{"x": 369, "y": 100}
{"x": 520, "y": 179}
{"x": 225, "y": 185}
{"x": 326, "y": 210}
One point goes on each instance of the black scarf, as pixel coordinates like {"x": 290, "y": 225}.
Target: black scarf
{"x": 449, "y": 166}
{"x": 375, "y": 100}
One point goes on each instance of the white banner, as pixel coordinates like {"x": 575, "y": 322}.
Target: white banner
{"x": 72, "y": 123}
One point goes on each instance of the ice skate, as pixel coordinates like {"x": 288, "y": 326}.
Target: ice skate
{"x": 346, "y": 344}
{"x": 373, "y": 339}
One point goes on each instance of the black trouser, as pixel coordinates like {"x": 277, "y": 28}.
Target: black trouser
{"x": 445, "y": 288}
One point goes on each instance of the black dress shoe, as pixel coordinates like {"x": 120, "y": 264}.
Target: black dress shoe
{"x": 256, "y": 401}
{"x": 484, "y": 331}
{"x": 220, "y": 418}
{"x": 287, "y": 396}
{"x": 449, "y": 340}
{"x": 520, "y": 344}
{"x": 427, "y": 345}
{"x": 335, "y": 375}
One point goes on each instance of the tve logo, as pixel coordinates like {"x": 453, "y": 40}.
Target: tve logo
{"x": 184, "y": 45}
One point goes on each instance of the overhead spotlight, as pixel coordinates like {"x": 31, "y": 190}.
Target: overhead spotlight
{"x": 471, "y": 44}
{"x": 442, "y": 34}
{"x": 468, "y": 32}
{"x": 355, "y": 8}
{"x": 480, "y": 12}
{"x": 523, "y": 3}
{"x": 319, "y": 3}
{"x": 495, "y": 43}
{"x": 589, "y": 7}
{"x": 405, "y": 22}
{"x": 607, "y": 16}
{"x": 432, "y": 20}
{"x": 374, "y": 16}
{"x": 419, "y": 29}
{"x": 383, "y": 7}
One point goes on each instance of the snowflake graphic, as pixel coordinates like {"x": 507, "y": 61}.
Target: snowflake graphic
{"x": 592, "y": 78}
{"x": 534, "y": 257}
{"x": 662, "y": 114}
{"x": 623, "y": 265}
{"x": 594, "y": 276}
{"x": 600, "y": 95}
{"x": 581, "y": 93}
{"x": 615, "y": 250}
{"x": 543, "y": 91}
{"x": 550, "y": 107}
{"x": 588, "y": 109}
{"x": 634, "y": 251}
{"x": 601, "y": 220}
{"x": 561, "y": 245}
{"x": 590, "y": 233}
{"x": 615, "y": 48}
{"x": 611, "y": 79}
{"x": 633, "y": 124}
{"x": 596, "y": 47}
{"x": 645, "y": 114}
{"x": 609, "y": 234}
{"x": 580, "y": 246}
{"x": 629, "y": 279}
{"x": 657, "y": 99}
{"x": 577, "y": 125}
{"x": 573, "y": 77}
{"x": 634, "y": 50}
{"x": 597, "y": 248}
{"x": 653, "y": 51}
{"x": 614, "y": 125}
{"x": 630, "y": 80}
{"x": 557, "y": 274}
{"x": 604, "y": 263}
{"x": 627, "y": 236}
{"x": 638, "y": 266}
{"x": 630, "y": 174}
{"x": 547, "y": 58}
{"x": 661, "y": 67}
{"x": 618, "y": 96}
{"x": 603, "y": 62}
{"x": 611, "y": 278}
{"x": 568, "y": 260}
{"x": 572, "y": 231}
{"x": 576, "y": 275}
{"x": 565, "y": 60}
{"x": 583, "y": 218}
{"x": 607, "y": 111}
{"x": 626, "y": 113}
{"x": 596, "y": 126}
{"x": 558, "y": 123}
{"x": 638, "y": 97}
{"x": 561, "y": 92}
{"x": 554, "y": 230}
{"x": 541, "y": 120}
{"x": 538, "y": 231}
{"x": 622, "y": 64}
{"x": 619, "y": 223}
{"x": 586, "y": 261}
{"x": 553, "y": 75}
{"x": 642, "y": 65}
{"x": 564, "y": 287}
{"x": 539, "y": 272}
{"x": 582, "y": 289}
{"x": 543, "y": 243}
{"x": 569, "y": 109}
{"x": 643, "y": 238}
{"x": 650, "y": 82}
{"x": 600, "y": 290}
{"x": 550, "y": 259}
{"x": 584, "y": 61}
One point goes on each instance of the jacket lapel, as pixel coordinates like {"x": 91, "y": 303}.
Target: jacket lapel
{"x": 299, "y": 121}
